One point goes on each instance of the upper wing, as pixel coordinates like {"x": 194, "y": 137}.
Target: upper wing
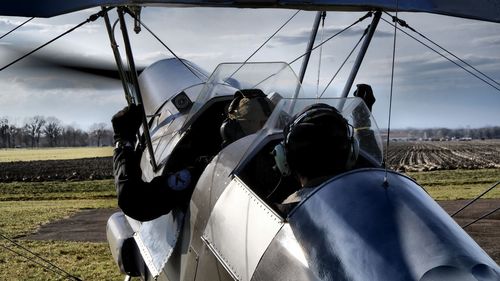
{"x": 486, "y": 10}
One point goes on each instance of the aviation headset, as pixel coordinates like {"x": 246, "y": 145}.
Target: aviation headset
{"x": 281, "y": 151}
{"x": 231, "y": 129}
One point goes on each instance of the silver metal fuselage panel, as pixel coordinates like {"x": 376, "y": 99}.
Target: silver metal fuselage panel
{"x": 240, "y": 229}
{"x": 192, "y": 258}
{"x": 354, "y": 227}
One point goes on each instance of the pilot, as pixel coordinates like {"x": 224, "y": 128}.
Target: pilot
{"x": 145, "y": 201}
{"x": 247, "y": 113}
{"x": 140, "y": 200}
{"x": 318, "y": 144}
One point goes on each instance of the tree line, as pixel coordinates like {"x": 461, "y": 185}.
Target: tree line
{"x": 492, "y": 132}
{"x": 40, "y": 131}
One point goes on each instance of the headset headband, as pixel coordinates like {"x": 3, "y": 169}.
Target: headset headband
{"x": 314, "y": 110}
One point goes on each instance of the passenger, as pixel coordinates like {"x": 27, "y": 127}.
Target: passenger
{"x": 247, "y": 113}
{"x": 141, "y": 200}
{"x": 318, "y": 144}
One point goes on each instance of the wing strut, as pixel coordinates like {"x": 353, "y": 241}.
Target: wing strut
{"x": 307, "y": 55}
{"x": 118, "y": 59}
{"x": 135, "y": 82}
{"x": 137, "y": 97}
{"x": 361, "y": 54}
{"x": 310, "y": 45}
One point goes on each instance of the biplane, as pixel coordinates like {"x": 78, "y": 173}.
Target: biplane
{"x": 369, "y": 223}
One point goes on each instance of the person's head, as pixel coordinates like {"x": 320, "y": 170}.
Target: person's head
{"x": 318, "y": 142}
{"x": 247, "y": 113}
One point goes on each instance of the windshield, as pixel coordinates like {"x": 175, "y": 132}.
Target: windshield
{"x": 353, "y": 109}
{"x": 275, "y": 79}
{"x": 278, "y": 81}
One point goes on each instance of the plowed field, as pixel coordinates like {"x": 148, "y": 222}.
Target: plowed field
{"x": 448, "y": 155}
{"x": 49, "y": 170}
{"x": 402, "y": 156}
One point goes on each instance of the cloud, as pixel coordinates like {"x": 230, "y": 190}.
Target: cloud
{"x": 77, "y": 105}
{"x": 302, "y": 36}
{"x": 429, "y": 64}
{"x": 7, "y": 24}
{"x": 427, "y": 70}
{"x": 209, "y": 36}
{"x": 151, "y": 57}
{"x": 489, "y": 41}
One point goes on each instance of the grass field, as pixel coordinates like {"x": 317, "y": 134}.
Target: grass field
{"x": 57, "y": 190}
{"x": 24, "y": 206}
{"x": 24, "y": 154}
{"x": 87, "y": 261}
{"x": 458, "y": 184}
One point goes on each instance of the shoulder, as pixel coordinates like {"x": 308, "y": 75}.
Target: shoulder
{"x": 298, "y": 195}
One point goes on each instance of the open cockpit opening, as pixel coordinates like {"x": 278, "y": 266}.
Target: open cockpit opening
{"x": 263, "y": 177}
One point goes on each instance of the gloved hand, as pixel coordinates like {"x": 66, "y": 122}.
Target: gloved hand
{"x": 365, "y": 92}
{"x": 126, "y": 122}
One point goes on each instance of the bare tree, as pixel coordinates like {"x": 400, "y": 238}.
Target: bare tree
{"x": 98, "y": 131}
{"x": 33, "y": 128}
{"x": 4, "y": 132}
{"x": 13, "y": 135}
{"x": 74, "y": 137}
{"x": 81, "y": 138}
{"x": 52, "y": 130}
{"x": 68, "y": 136}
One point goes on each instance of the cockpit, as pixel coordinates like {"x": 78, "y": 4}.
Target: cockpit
{"x": 185, "y": 129}
{"x": 189, "y": 120}
{"x": 258, "y": 167}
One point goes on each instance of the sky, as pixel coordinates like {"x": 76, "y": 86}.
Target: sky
{"x": 428, "y": 91}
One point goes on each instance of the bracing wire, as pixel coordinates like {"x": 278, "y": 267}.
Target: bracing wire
{"x": 405, "y": 24}
{"x": 445, "y": 57}
{"x": 367, "y": 15}
{"x": 165, "y": 45}
{"x": 263, "y": 44}
{"x": 391, "y": 92}
{"x": 15, "y": 28}
{"x": 53, "y": 266}
{"x": 45, "y": 267}
{"x": 480, "y": 218}
{"x": 475, "y": 199}
{"x": 344, "y": 62}
{"x": 92, "y": 18}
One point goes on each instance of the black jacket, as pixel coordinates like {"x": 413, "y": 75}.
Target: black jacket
{"x": 141, "y": 200}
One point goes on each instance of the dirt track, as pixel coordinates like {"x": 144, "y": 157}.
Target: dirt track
{"x": 487, "y": 231}
{"x": 84, "y": 226}
{"x": 90, "y": 225}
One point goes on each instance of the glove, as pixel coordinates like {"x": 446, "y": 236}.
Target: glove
{"x": 364, "y": 91}
{"x": 126, "y": 122}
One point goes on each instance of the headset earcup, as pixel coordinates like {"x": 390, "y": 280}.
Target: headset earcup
{"x": 279, "y": 154}
{"x": 230, "y": 131}
{"x": 352, "y": 156}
